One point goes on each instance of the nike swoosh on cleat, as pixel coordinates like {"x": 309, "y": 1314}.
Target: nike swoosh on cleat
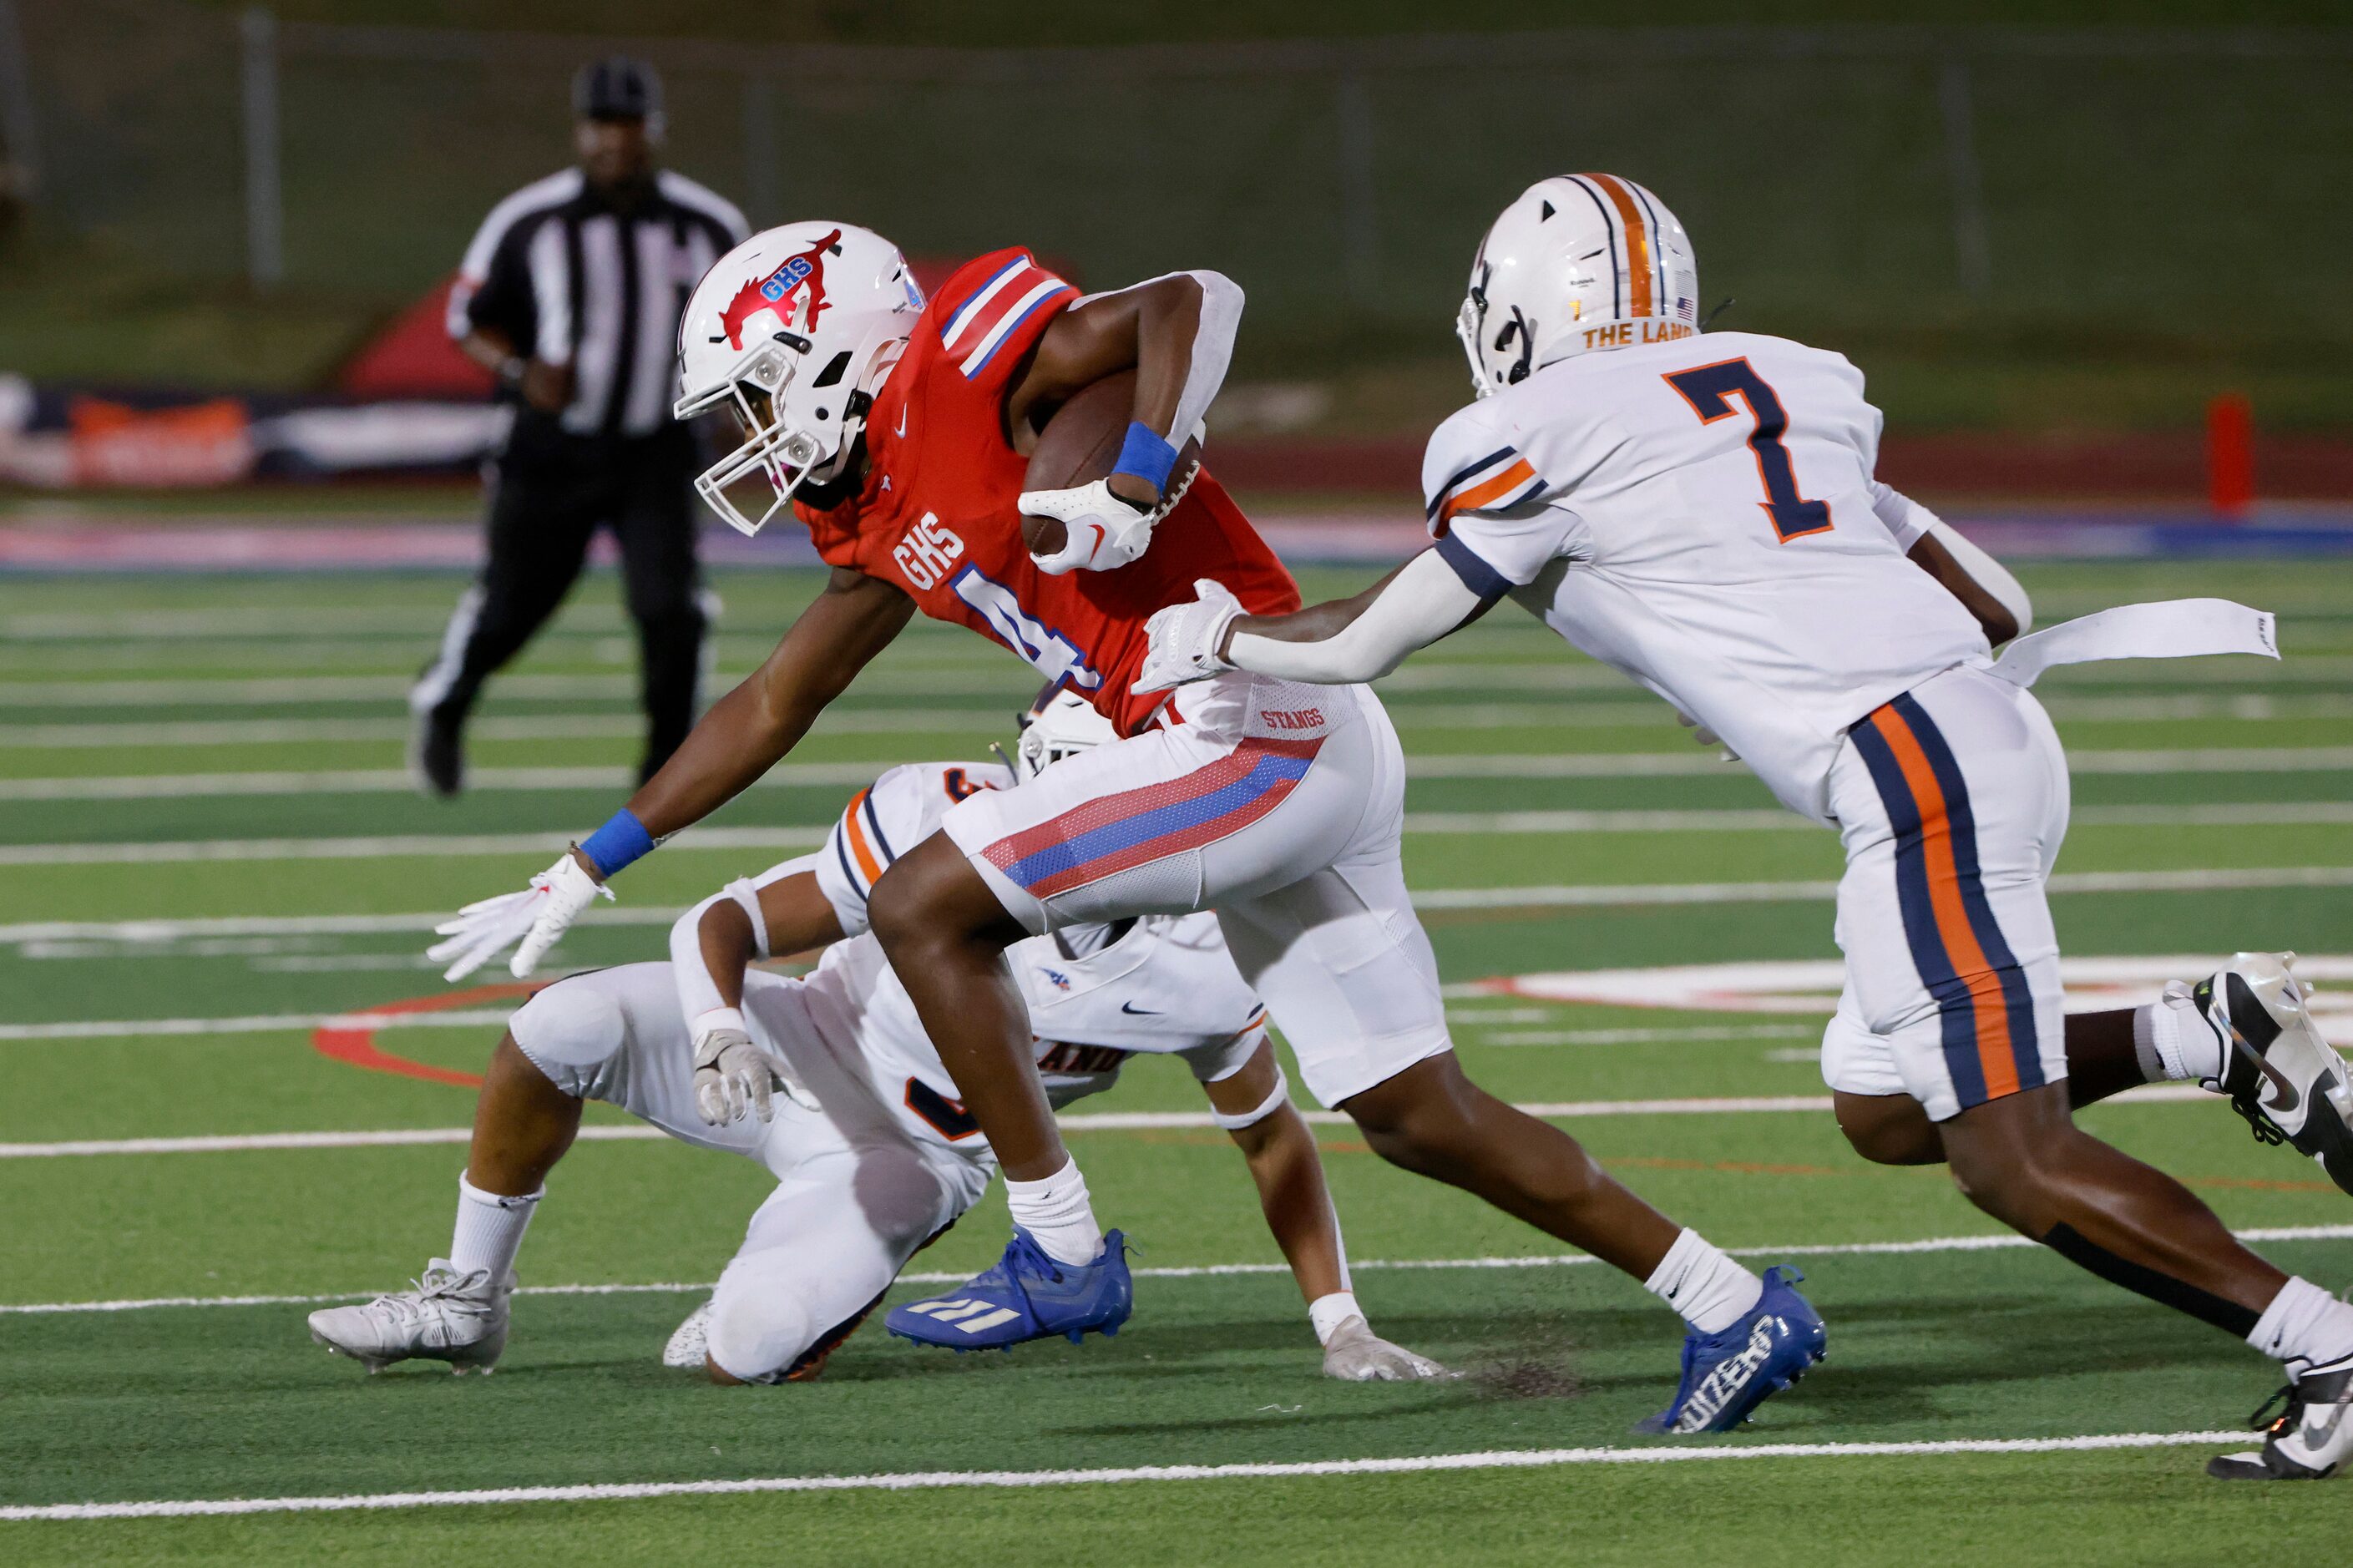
{"x": 2288, "y": 1097}
{"x": 2317, "y": 1434}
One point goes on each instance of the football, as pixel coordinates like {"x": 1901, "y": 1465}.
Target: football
{"x": 1082, "y": 441}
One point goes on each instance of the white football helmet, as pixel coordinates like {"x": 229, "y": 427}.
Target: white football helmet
{"x": 794, "y": 331}
{"x": 1061, "y": 723}
{"x": 1579, "y": 262}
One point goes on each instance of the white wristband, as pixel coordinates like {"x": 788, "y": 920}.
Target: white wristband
{"x": 708, "y": 1024}
{"x": 1328, "y": 1313}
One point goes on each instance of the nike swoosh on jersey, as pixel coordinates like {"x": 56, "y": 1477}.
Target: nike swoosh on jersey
{"x": 1139, "y": 1012}
{"x": 902, "y": 430}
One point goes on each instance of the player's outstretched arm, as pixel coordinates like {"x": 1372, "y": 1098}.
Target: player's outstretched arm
{"x": 1254, "y": 1108}
{"x": 1177, "y": 334}
{"x": 748, "y": 732}
{"x": 745, "y": 733}
{"x": 1332, "y": 644}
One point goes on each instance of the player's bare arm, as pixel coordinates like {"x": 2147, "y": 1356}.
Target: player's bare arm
{"x": 1931, "y": 556}
{"x": 1176, "y": 334}
{"x": 745, "y": 733}
{"x": 752, "y": 728}
{"x": 1254, "y": 1108}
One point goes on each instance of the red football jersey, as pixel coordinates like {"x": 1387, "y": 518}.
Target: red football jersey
{"x": 938, "y": 514}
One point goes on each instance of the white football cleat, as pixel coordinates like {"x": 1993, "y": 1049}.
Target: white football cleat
{"x": 690, "y": 1342}
{"x": 2280, "y": 1075}
{"x": 445, "y": 1316}
{"x": 2311, "y": 1439}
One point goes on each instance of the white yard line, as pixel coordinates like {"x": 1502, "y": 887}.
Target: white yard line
{"x": 1798, "y": 892}
{"x": 398, "y": 846}
{"x": 1628, "y": 1037}
{"x": 934, "y": 1481}
{"x": 1994, "y": 1242}
{"x": 146, "y": 1028}
{"x": 392, "y": 781}
{"x": 1476, "y": 766}
{"x": 527, "y": 727}
{"x": 1077, "y": 1121}
{"x": 2228, "y": 814}
{"x": 161, "y": 931}
{"x": 1633, "y": 714}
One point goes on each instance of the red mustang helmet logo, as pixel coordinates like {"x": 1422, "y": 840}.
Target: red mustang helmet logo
{"x": 775, "y": 292}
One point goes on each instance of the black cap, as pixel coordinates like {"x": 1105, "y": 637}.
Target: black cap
{"x": 616, "y": 88}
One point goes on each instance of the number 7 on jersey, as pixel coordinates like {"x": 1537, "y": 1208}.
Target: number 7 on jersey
{"x": 1710, "y": 389}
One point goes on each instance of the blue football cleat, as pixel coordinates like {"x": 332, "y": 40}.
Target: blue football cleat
{"x": 1727, "y": 1375}
{"x": 1028, "y": 1296}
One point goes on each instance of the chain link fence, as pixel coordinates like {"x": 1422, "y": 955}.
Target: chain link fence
{"x": 2013, "y": 184}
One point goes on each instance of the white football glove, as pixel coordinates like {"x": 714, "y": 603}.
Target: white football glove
{"x": 539, "y": 915}
{"x": 1185, "y": 639}
{"x": 732, "y": 1076}
{"x": 1356, "y": 1354}
{"x": 1100, "y": 531}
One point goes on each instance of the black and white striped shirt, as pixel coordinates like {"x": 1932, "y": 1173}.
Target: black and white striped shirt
{"x": 565, "y": 276}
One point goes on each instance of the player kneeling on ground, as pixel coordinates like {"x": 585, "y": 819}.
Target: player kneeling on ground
{"x": 1703, "y": 514}
{"x": 873, "y": 1155}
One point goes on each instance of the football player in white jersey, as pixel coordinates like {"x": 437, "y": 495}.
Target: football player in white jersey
{"x": 872, "y": 1153}
{"x": 1703, "y": 514}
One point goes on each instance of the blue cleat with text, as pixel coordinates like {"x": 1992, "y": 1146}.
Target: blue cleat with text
{"x": 1727, "y": 1375}
{"x": 1028, "y": 1296}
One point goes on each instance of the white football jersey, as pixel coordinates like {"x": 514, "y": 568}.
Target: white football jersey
{"x": 1702, "y": 514}
{"x": 1163, "y": 986}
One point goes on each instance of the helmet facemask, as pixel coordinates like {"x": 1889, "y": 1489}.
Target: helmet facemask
{"x": 796, "y": 431}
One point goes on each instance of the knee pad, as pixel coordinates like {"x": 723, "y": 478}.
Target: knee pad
{"x": 757, "y": 1335}
{"x": 572, "y": 1031}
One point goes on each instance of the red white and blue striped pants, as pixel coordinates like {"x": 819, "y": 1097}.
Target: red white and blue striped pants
{"x": 1277, "y": 804}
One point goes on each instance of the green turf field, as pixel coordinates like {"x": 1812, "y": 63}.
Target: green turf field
{"x": 207, "y": 845}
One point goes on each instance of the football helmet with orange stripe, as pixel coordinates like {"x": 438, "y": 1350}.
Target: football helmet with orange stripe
{"x": 1579, "y": 262}
{"x": 793, "y": 332}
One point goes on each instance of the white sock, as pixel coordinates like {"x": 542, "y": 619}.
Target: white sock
{"x": 2171, "y": 1035}
{"x": 489, "y": 1230}
{"x": 2305, "y": 1327}
{"x": 1056, "y": 1212}
{"x": 1708, "y": 1288}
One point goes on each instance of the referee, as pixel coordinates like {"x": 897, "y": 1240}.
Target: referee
{"x": 572, "y": 293}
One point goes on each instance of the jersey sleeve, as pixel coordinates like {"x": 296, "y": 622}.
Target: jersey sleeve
{"x": 885, "y": 820}
{"x": 1484, "y": 499}
{"x": 989, "y": 315}
{"x": 1904, "y": 518}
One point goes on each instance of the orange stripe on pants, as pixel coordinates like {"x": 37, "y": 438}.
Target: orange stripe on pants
{"x": 1996, "y": 1059}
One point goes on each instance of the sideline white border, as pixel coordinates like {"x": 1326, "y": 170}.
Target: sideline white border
{"x": 2002, "y": 1242}
{"x": 926, "y": 1480}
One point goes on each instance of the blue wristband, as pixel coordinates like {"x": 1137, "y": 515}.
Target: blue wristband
{"x": 619, "y": 841}
{"x": 1145, "y": 455}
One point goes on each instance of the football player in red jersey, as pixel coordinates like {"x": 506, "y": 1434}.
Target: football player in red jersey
{"x": 897, "y": 431}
